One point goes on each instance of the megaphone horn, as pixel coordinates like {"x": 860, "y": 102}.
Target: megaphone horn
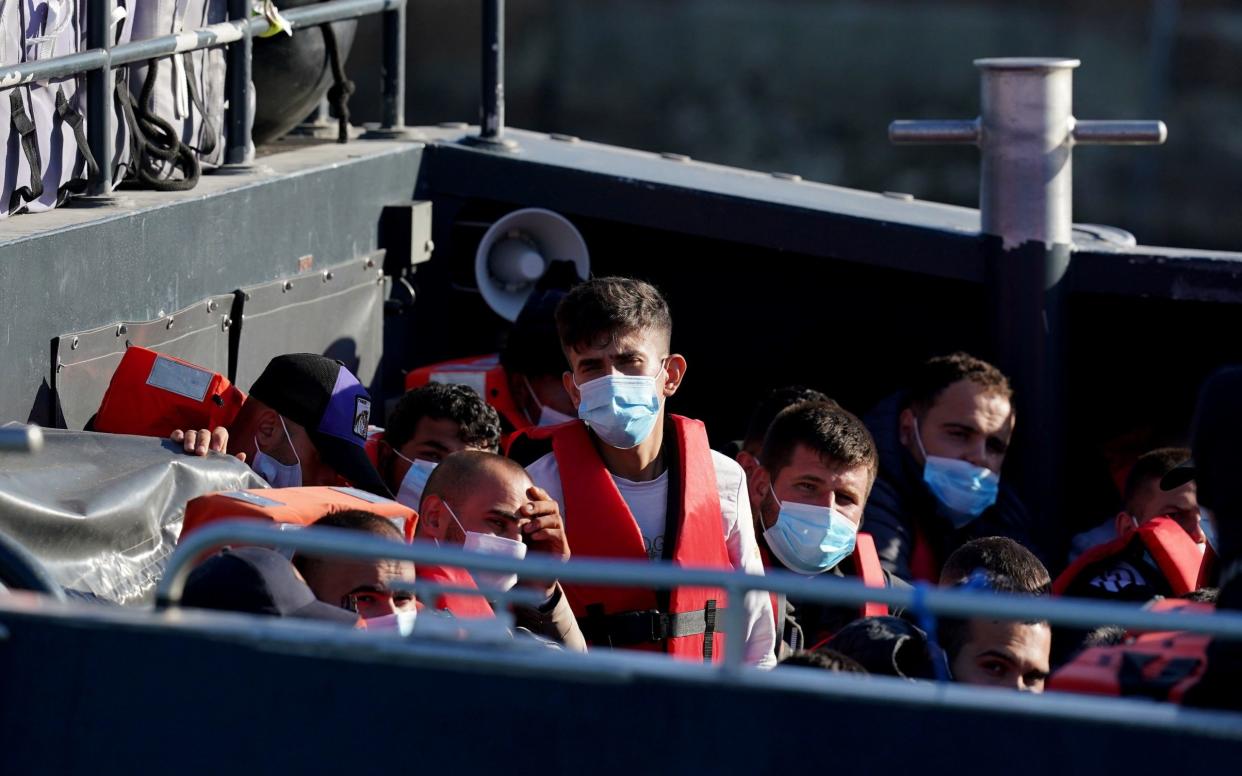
{"x": 516, "y": 252}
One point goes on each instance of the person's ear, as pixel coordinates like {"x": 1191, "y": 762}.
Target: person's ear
{"x": 675, "y": 372}
{"x": 1125, "y": 523}
{"x": 760, "y": 483}
{"x": 575, "y": 395}
{"x": 905, "y": 427}
{"x": 748, "y": 462}
{"x": 431, "y": 518}
{"x": 267, "y": 428}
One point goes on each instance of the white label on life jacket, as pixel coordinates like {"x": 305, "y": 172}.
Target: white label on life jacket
{"x": 474, "y": 380}
{"x": 250, "y": 498}
{"x": 370, "y": 498}
{"x": 182, "y": 379}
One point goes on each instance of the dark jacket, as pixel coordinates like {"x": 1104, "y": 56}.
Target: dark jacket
{"x": 900, "y": 502}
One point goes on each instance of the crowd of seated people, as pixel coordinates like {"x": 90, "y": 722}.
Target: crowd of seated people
{"x": 908, "y": 493}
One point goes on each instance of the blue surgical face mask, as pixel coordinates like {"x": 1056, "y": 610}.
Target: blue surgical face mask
{"x": 621, "y": 409}
{"x": 277, "y": 474}
{"x": 547, "y": 415}
{"x": 810, "y": 539}
{"x": 963, "y": 489}
{"x": 410, "y": 492}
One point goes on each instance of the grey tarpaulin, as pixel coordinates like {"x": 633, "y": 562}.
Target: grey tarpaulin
{"x": 102, "y": 512}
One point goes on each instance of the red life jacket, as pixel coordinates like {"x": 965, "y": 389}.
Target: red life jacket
{"x": 867, "y": 569}
{"x": 1161, "y": 666}
{"x": 151, "y": 394}
{"x": 482, "y": 373}
{"x": 1176, "y": 555}
{"x": 598, "y": 524}
{"x": 458, "y": 604}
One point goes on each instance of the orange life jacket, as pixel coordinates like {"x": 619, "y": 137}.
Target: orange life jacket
{"x": 1176, "y": 555}
{"x": 291, "y": 506}
{"x": 151, "y": 394}
{"x": 598, "y": 524}
{"x": 1161, "y": 666}
{"x": 482, "y": 373}
{"x": 461, "y": 605}
{"x": 867, "y": 569}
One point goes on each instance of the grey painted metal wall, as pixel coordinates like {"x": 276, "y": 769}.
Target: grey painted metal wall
{"x": 147, "y": 254}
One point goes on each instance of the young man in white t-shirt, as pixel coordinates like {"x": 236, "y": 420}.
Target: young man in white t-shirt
{"x": 634, "y": 482}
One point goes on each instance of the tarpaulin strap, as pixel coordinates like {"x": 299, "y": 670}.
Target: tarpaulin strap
{"x": 709, "y": 629}
{"x": 74, "y": 119}
{"x": 210, "y": 134}
{"x": 30, "y": 147}
{"x": 341, "y": 89}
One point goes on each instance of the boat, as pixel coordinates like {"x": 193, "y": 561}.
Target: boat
{"x": 369, "y": 251}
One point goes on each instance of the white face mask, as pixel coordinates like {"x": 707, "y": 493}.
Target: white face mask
{"x": 415, "y": 480}
{"x": 547, "y": 415}
{"x": 401, "y": 622}
{"x": 496, "y": 546}
{"x": 277, "y": 474}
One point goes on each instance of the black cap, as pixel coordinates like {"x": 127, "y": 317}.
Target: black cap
{"x": 325, "y": 398}
{"x": 257, "y": 580}
{"x": 889, "y": 646}
{"x": 1179, "y": 475}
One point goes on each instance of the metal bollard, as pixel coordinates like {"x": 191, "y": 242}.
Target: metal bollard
{"x": 1026, "y": 133}
{"x": 492, "y": 111}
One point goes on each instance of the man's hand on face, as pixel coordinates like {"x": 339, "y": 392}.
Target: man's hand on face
{"x": 544, "y": 531}
{"x": 201, "y": 441}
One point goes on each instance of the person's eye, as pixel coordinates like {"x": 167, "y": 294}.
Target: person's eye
{"x": 804, "y": 487}
{"x": 998, "y": 447}
{"x": 994, "y": 668}
{"x": 959, "y": 433}
{"x": 369, "y": 599}
{"x": 845, "y": 498}
{"x": 402, "y": 598}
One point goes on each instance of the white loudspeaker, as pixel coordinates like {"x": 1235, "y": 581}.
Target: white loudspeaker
{"x": 517, "y": 250}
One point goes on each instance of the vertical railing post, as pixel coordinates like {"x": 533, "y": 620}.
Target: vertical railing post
{"x": 492, "y": 93}
{"x": 735, "y": 629}
{"x": 238, "y": 90}
{"x": 100, "y": 85}
{"x": 1026, "y": 133}
{"x": 393, "y": 72}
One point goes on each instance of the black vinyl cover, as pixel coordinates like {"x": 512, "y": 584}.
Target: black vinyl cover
{"x": 102, "y": 512}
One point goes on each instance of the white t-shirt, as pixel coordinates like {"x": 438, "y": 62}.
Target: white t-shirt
{"x": 648, "y": 502}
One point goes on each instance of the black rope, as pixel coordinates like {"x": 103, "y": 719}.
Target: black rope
{"x": 341, "y": 89}
{"x": 157, "y": 147}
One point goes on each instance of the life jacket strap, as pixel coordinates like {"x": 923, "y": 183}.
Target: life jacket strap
{"x": 651, "y": 626}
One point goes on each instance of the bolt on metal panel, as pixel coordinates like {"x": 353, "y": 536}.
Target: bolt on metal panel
{"x": 336, "y": 311}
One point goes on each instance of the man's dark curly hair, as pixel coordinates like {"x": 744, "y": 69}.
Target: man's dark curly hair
{"x": 480, "y": 424}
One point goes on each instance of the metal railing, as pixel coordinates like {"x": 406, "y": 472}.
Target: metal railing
{"x": 101, "y": 58}
{"x": 831, "y": 590}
